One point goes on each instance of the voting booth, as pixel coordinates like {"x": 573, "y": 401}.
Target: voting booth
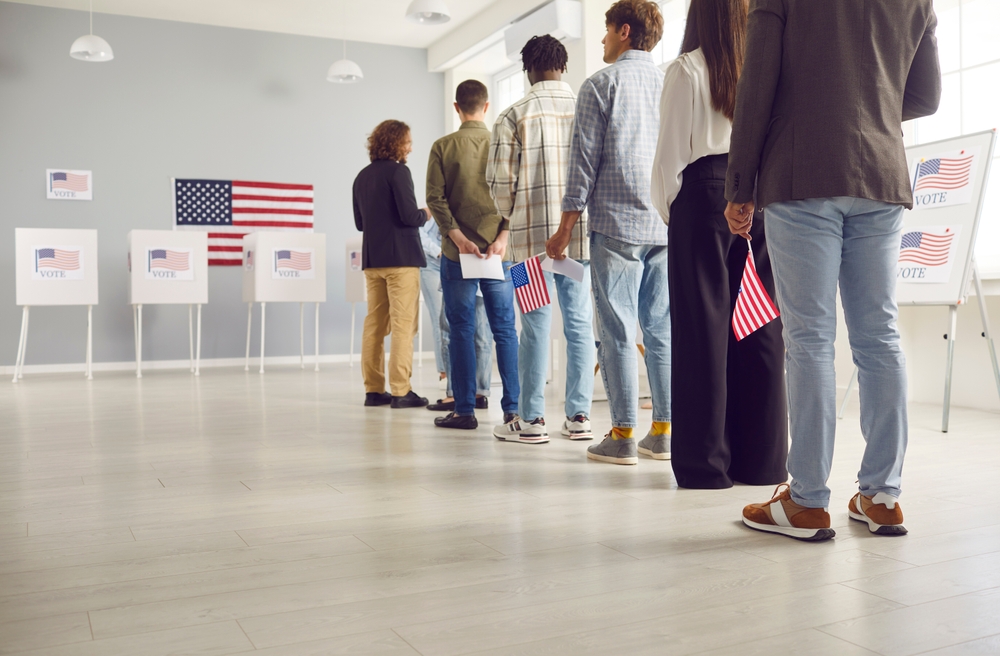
{"x": 55, "y": 267}
{"x": 283, "y": 267}
{"x": 167, "y": 267}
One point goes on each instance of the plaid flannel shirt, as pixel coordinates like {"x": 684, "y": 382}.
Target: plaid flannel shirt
{"x": 526, "y": 169}
{"x": 614, "y": 143}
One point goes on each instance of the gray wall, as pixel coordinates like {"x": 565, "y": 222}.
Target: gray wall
{"x": 185, "y": 101}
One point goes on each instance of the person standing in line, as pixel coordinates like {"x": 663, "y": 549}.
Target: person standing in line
{"x": 527, "y": 177}
{"x": 386, "y": 212}
{"x": 723, "y": 429}
{"x": 817, "y": 125}
{"x": 610, "y": 165}
{"x": 430, "y": 288}
{"x": 460, "y": 201}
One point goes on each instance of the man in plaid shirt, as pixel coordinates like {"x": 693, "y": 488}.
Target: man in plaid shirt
{"x": 610, "y": 171}
{"x": 526, "y": 171}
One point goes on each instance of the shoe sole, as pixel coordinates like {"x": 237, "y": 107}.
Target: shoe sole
{"x": 533, "y": 439}
{"x": 803, "y": 534}
{"x": 890, "y": 530}
{"x": 654, "y": 456}
{"x": 408, "y": 407}
{"x": 581, "y": 435}
{"x": 613, "y": 460}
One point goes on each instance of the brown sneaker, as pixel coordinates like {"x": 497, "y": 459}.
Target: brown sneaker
{"x": 783, "y": 516}
{"x": 881, "y": 512}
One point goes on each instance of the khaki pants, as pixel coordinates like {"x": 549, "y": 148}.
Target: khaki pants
{"x": 393, "y": 304}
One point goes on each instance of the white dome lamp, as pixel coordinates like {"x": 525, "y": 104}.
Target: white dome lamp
{"x": 428, "y": 12}
{"x": 91, "y": 48}
{"x": 344, "y": 71}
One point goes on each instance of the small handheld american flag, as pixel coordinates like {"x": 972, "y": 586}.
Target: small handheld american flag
{"x": 529, "y": 285}
{"x": 754, "y": 307}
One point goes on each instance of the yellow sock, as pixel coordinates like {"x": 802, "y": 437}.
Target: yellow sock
{"x": 621, "y": 433}
{"x": 660, "y": 428}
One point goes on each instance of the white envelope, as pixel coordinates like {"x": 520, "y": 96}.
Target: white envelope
{"x": 476, "y": 267}
{"x": 568, "y": 267}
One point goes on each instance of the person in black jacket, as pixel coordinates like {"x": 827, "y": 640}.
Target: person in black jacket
{"x": 385, "y": 210}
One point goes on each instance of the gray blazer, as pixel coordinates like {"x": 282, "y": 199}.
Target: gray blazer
{"x": 824, "y": 89}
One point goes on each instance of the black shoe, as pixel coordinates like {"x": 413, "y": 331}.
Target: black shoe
{"x": 451, "y": 420}
{"x": 378, "y": 398}
{"x": 482, "y": 403}
{"x": 411, "y": 400}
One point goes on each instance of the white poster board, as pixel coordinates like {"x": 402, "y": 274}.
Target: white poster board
{"x": 939, "y": 234}
{"x": 355, "y": 285}
{"x": 55, "y": 267}
{"x": 167, "y": 266}
{"x": 284, "y": 267}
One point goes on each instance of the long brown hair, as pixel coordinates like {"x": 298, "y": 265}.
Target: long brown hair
{"x": 719, "y": 28}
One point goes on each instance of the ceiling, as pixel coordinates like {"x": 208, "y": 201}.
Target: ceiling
{"x": 373, "y": 21}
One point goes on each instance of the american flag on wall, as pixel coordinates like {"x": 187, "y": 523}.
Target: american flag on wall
{"x": 230, "y": 209}
{"x": 926, "y": 248}
{"x": 754, "y": 307}
{"x": 529, "y": 285}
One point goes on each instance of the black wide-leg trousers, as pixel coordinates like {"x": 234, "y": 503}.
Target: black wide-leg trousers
{"x": 729, "y": 418}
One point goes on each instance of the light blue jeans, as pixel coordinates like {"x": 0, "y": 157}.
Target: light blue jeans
{"x": 630, "y": 286}
{"x": 813, "y": 245}
{"x": 533, "y": 347}
{"x": 484, "y": 349}
{"x": 430, "y": 287}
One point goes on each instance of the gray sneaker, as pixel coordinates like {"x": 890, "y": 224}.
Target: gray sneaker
{"x": 656, "y": 447}
{"x": 619, "y": 452}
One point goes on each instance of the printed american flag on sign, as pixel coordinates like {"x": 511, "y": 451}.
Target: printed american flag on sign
{"x": 57, "y": 258}
{"x": 68, "y": 181}
{"x": 529, "y": 285}
{"x": 164, "y": 258}
{"x": 230, "y": 209}
{"x": 943, "y": 173}
{"x": 296, "y": 260}
{"x": 926, "y": 248}
{"x": 754, "y": 307}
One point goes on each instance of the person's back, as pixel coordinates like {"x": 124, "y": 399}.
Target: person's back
{"x": 840, "y": 90}
{"x": 824, "y": 90}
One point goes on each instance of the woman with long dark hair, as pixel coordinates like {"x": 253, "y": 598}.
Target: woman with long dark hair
{"x": 729, "y": 419}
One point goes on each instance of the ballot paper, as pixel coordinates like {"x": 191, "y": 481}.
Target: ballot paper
{"x": 568, "y": 267}
{"x": 475, "y": 267}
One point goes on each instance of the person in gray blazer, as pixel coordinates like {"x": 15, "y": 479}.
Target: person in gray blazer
{"x": 817, "y": 130}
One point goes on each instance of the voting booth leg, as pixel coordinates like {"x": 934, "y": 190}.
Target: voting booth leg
{"x": 953, "y": 309}
{"x": 90, "y": 342}
{"x": 353, "y": 311}
{"x": 263, "y": 311}
{"x": 986, "y": 324}
{"x": 190, "y": 338}
{"x": 138, "y": 343}
{"x": 246, "y": 365}
{"x": 24, "y": 349}
{"x": 847, "y": 394}
{"x": 197, "y": 353}
{"x": 302, "y": 337}
{"x": 135, "y": 336}
{"x": 316, "y": 351}
{"x": 20, "y": 343}
{"x": 420, "y": 331}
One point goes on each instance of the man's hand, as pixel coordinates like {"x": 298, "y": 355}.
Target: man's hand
{"x": 428, "y": 213}
{"x": 557, "y": 244}
{"x": 740, "y": 218}
{"x": 499, "y": 245}
{"x": 464, "y": 244}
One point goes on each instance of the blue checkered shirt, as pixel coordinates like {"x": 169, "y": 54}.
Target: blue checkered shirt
{"x": 611, "y": 157}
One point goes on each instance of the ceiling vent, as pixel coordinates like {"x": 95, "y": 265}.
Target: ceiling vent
{"x": 562, "y": 19}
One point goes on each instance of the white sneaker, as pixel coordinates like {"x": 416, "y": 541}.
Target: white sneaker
{"x": 515, "y": 429}
{"x": 577, "y": 428}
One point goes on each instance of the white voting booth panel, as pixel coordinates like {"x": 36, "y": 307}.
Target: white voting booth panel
{"x": 54, "y": 267}
{"x": 167, "y": 267}
{"x": 283, "y": 267}
{"x": 936, "y": 262}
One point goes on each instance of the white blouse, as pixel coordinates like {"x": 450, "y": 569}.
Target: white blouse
{"x": 690, "y": 128}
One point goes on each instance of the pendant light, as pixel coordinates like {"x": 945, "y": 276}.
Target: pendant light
{"x": 344, "y": 71}
{"x": 428, "y": 12}
{"x": 91, "y": 48}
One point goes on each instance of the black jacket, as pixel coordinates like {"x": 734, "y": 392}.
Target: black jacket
{"x": 385, "y": 210}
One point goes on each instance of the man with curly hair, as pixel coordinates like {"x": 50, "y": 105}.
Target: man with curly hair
{"x": 527, "y": 177}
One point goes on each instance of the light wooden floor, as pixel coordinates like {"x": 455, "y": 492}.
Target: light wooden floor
{"x": 238, "y": 512}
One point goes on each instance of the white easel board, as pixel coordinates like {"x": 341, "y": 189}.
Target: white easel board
{"x": 939, "y": 234}
{"x": 167, "y": 266}
{"x": 355, "y": 284}
{"x": 284, "y": 267}
{"x": 55, "y": 267}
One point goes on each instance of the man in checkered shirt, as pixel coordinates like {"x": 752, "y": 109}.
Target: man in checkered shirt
{"x": 526, "y": 171}
{"x": 610, "y": 170}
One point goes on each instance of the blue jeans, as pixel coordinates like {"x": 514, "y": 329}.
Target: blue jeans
{"x": 484, "y": 349}
{"x": 533, "y": 352}
{"x": 630, "y": 285}
{"x": 430, "y": 286}
{"x": 459, "y": 306}
{"x": 814, "y": 244}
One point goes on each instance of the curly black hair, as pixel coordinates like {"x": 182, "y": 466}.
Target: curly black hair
{"x": 544, "y": 53}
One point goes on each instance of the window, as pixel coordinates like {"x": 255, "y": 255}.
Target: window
{"x": 970, "y": 100}
{"x": 674, "y": 19}
{"x": 508, "y": 87}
